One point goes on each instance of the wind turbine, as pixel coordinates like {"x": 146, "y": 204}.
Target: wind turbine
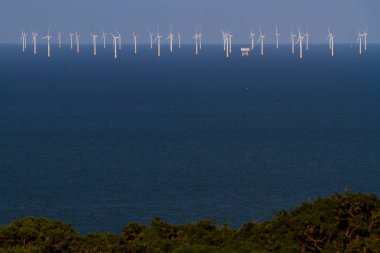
{"x": 34, "y": 36}
{"x": 299, "y": 41}
{"x": 77, "y": 41}
{"x": 277, "y": 35}
{"x": 292, "y": 39}
{"x": 226, "y": 44}
{"x": 71, "y": 40}
{"x": 94, "y": 36}
{"x": 196, "y": 37}
{"x": 23, "y": 40}
{"x": 48, "y": 37}
{"x": 115, "y": 39}
{"x": 365, "y": 34}
{"x": 179, "y": 40}
{"x": 135, "y": 41}
{"x": 330, "y": 37}
{"x": 200, "y": 35}
{"x": 230, "y": 42}
{"x": 171, "y": 38}
{"x": 261, "y": 40}
{"x": 59, "y": 34}
{"x": 224, "y": 34}
{"x": 158, "y": 39}
{"x": 252, "y": 38}
{"x": 151, "y": 39}
{"x": 104, "y": 38}
{"x": 360, "y": 36}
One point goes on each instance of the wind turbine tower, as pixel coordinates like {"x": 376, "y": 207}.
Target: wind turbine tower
{"x": 34, "y": 36}
{"x": 135, "y": 41}
{"x": 330, "y": 37}
{"x": 77, "y": 41}
{"x": 48, "y": 37}
{"x": 365, "y": 34}
{"x": 196, "y": 37}
{"x": 277, "y": 36}
{"x": 299, "y": 41}
{"x": 252, "y": 37}
{"x": 230, "y": 42}
{"x": 115, "y": 40}
{"x": 151, "y": 39}
{"x": 119, "y": 39}
{"x": 104, "y": 39}
{"x": 292, "y": 39}
{"x": 71, "y": 40}
{"x": 59, "y": 34}
{"x": 171, "y": 38}
{"x": 94, "y": 36}
{"x": 261, "y": 40}
{"x": 179, "y": 40}
{"x": 307, "y": 38}
{"x": 158, "y": 38}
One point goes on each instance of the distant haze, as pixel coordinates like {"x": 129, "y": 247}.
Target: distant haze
{"x": 209, "y": 16}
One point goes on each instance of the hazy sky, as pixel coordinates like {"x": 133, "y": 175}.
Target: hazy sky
{"x": 237, "y": 16}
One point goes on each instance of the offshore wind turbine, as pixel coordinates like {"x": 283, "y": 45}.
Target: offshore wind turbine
{"x": 360, "y": 36}
{"x": 34, "y": 39}
{"x": 277, "y": 36}
{"x": 292, "y": 39}
{"x": 230, "y": 42}
{"x": 59, "y": 35}
{"x": 151, "y": 39}
{"x": 224, "y": 34}
{"x": 23, "y": 40}
{"x": 261, "y": 40}
{"x": 226, "y": 44}
{"x": 135, "y": 41}
{"x": 115, "y": 40}
{"x": 200, "y": 40}
{"x": 196, "y": 37}
{"x": 48, "y": 37}
{"x": 252, "y": 38}
{"x": 179, "y": 40}
{"x": 330, "y": 37}
{"x": 365, "y": 34}
{"x": 77, "y": 41}
{"x": 94, "y": 36}
{"x": 71, "y": 40}
{"x": 299, "y": 41}
{"x": 170, "y": 38}
{"x": 104, "y": 38}
{"x": 158, "y": 39}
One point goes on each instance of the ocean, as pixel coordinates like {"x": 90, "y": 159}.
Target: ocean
{"x": 99, "y": 143}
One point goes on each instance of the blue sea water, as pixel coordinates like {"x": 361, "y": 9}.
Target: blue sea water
{"x": 99, "y": 143}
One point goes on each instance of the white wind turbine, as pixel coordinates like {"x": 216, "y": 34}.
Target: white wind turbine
{"x": 158, "y": 39}
{"x": 71, "y": 40}
{"x": 252, "y": 38}
{"x": 299, "y": 41}
{"x": 365, "y": 34}
{"x": 292, "y": 39}
{"x": 34, "y": 39}
{"x": 360, "y": 36}
{"x": 115, "y": 40}
{"x": 277, "y": 36}
{"x": 230, "y": 42}
{"x": 330, "y": 37}
{"x": 23, "y": 40}
{"x": 59, "y": 35}
{"x": 48, "y": 37}
{"x": 200, "y": 35}
{"x": 170, "y": 38}
{"x": 227, "y": 42}
{"x": 151, "y": 39}
{"x": 196, "y": 37}
{"x": 77, "y": 41}
{"x": 224, "y": 34}
{"x": 94, "y": 36}
{"x": 261, "y": 40}
{"x": 179, "y": 40}
{"x": 104, "y": 38}
{"x": 135, "y": 41}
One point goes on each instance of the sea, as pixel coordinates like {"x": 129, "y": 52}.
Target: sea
{"x": 98, "y": 142}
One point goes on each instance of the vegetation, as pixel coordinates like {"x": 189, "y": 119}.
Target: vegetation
{"x": 342, "y": 223}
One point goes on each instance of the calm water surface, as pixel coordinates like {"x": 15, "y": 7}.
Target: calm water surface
{"x": 99, "y": 143}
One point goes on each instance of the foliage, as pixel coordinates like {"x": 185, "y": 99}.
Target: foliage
{"x": 342, "y": 223}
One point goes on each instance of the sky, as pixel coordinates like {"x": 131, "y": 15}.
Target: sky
{"x": 239, "y": 17}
